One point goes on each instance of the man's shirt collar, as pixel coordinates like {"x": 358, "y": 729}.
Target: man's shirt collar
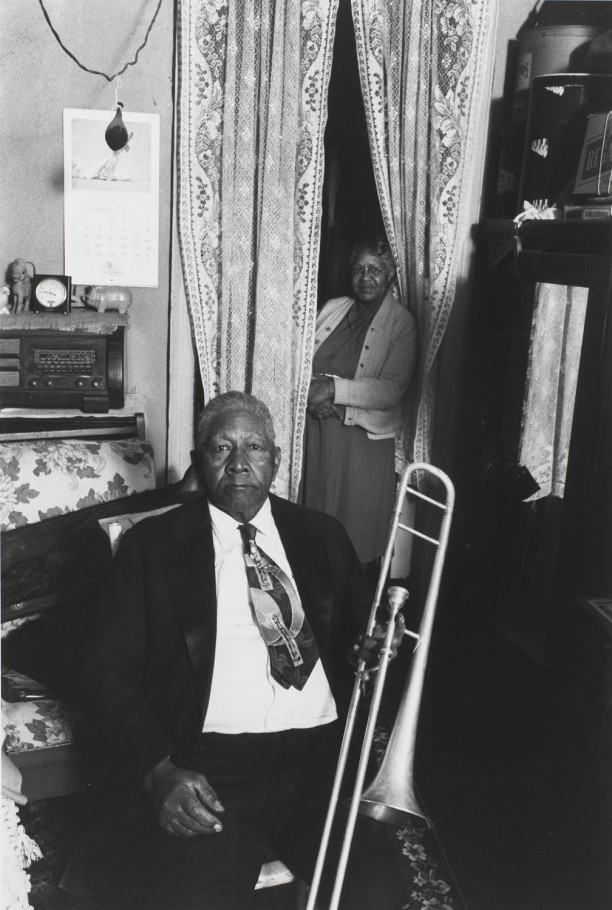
{"x": 224, "y": 526}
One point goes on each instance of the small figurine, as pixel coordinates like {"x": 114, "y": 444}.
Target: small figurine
{"x": 102, "y": 298}
{"x": 21, "y": 285}
{"x": 5, "y": 296}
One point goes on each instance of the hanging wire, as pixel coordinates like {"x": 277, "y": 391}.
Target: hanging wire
{"x": 98, "y": 72}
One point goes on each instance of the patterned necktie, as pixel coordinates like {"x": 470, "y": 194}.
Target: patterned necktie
{"x": 279, "y": 614}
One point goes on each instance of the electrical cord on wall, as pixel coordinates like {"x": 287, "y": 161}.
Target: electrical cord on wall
{"x": 98, "y": 72}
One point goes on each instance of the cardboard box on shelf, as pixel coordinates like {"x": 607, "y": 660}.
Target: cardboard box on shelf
{"x": 594, "y": 176}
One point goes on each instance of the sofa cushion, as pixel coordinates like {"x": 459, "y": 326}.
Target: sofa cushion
{"x": 116, "y": 525}
{"x": 41, "y": 724}
{"x": 33, "y": 719}
{"x": 42, "y": 479}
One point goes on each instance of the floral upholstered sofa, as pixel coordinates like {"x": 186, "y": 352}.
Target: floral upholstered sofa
{"x": 56, "y": 496}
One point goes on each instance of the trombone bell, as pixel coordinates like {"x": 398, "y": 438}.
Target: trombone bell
{"x": 393, "y": 809}
{"x": 390, "y": 797}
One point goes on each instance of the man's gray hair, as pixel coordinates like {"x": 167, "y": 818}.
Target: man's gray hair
{"x": 228, "y": 402}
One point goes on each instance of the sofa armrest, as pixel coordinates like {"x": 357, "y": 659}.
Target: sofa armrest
{"x": 32, "y": 606}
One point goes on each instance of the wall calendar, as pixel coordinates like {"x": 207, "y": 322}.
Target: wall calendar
{"x": 111, "y": 200}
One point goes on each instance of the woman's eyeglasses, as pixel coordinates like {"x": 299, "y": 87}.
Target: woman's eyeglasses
{"x": 373, "y": 270}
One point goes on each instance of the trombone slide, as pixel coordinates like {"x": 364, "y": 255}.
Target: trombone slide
{"x": 390, "y": 797}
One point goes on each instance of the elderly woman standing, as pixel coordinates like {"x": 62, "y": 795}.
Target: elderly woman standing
{"x": 365, "y": 355}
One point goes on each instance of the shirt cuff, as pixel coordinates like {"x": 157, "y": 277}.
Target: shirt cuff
{"x": 341, "y": 393}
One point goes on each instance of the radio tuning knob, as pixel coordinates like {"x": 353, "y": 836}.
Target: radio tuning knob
{"x": 34, "y": 383}
{"x": 48, "y": 383}
{"x": 80, "y": 383}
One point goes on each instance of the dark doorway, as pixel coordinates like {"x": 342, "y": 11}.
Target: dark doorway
{"x": 350, "y": 198}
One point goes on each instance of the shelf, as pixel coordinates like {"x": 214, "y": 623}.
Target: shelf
{"x": 79, "y": 320}
{"x": 572, "y": 237}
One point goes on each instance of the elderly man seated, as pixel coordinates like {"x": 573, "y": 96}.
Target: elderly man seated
{"x": 222, "y": 671}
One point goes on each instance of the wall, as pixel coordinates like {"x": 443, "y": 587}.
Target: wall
{"x": 37, "y": 81}
{"x": 511, "y": 18}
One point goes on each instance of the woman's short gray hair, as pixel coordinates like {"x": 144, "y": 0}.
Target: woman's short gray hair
{"x": 228, "y": 402}
{"x": 377, "y": 246}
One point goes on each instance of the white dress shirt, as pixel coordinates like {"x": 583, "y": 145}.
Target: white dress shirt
{"x": 244, "y": 698}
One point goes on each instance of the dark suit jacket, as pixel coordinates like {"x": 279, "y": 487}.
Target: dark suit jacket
{"x": 154, "y": 644}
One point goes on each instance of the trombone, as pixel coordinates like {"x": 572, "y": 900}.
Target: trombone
{"x": 391, "y": 796}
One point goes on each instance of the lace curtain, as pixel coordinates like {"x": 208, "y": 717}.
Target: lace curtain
{"x": 425, "y": 70}
{"x": 550, "y": 390}
{"x": 252, "y": 110}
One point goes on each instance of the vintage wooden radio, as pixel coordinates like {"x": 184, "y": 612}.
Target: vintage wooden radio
{"x": 55, "y": 369}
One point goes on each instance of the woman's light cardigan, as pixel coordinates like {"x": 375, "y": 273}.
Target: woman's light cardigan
{"x": 373, "y": 399}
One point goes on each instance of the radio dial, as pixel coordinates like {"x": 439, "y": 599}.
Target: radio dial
{"x": 95, "y": 383}
{"x": 80, "y": 383}
{"x": 34, "y": 383}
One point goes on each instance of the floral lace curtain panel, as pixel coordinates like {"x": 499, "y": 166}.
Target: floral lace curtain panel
{"x": 253, "y": 95}
{"x": 252, "y": 108}
{"x": 425, "y": 69}
{"x": 550, "y": 388}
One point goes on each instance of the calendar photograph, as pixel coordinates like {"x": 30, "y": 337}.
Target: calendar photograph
{"x": 111, "y": 198}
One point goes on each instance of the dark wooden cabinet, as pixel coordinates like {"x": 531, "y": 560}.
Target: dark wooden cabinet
{"x": 529, "y": 559}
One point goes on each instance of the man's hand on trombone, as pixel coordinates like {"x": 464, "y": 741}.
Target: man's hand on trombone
{"x": 367, "y": 647}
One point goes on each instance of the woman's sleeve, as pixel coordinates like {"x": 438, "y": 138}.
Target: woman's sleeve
{"x": 389, "y": 386}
